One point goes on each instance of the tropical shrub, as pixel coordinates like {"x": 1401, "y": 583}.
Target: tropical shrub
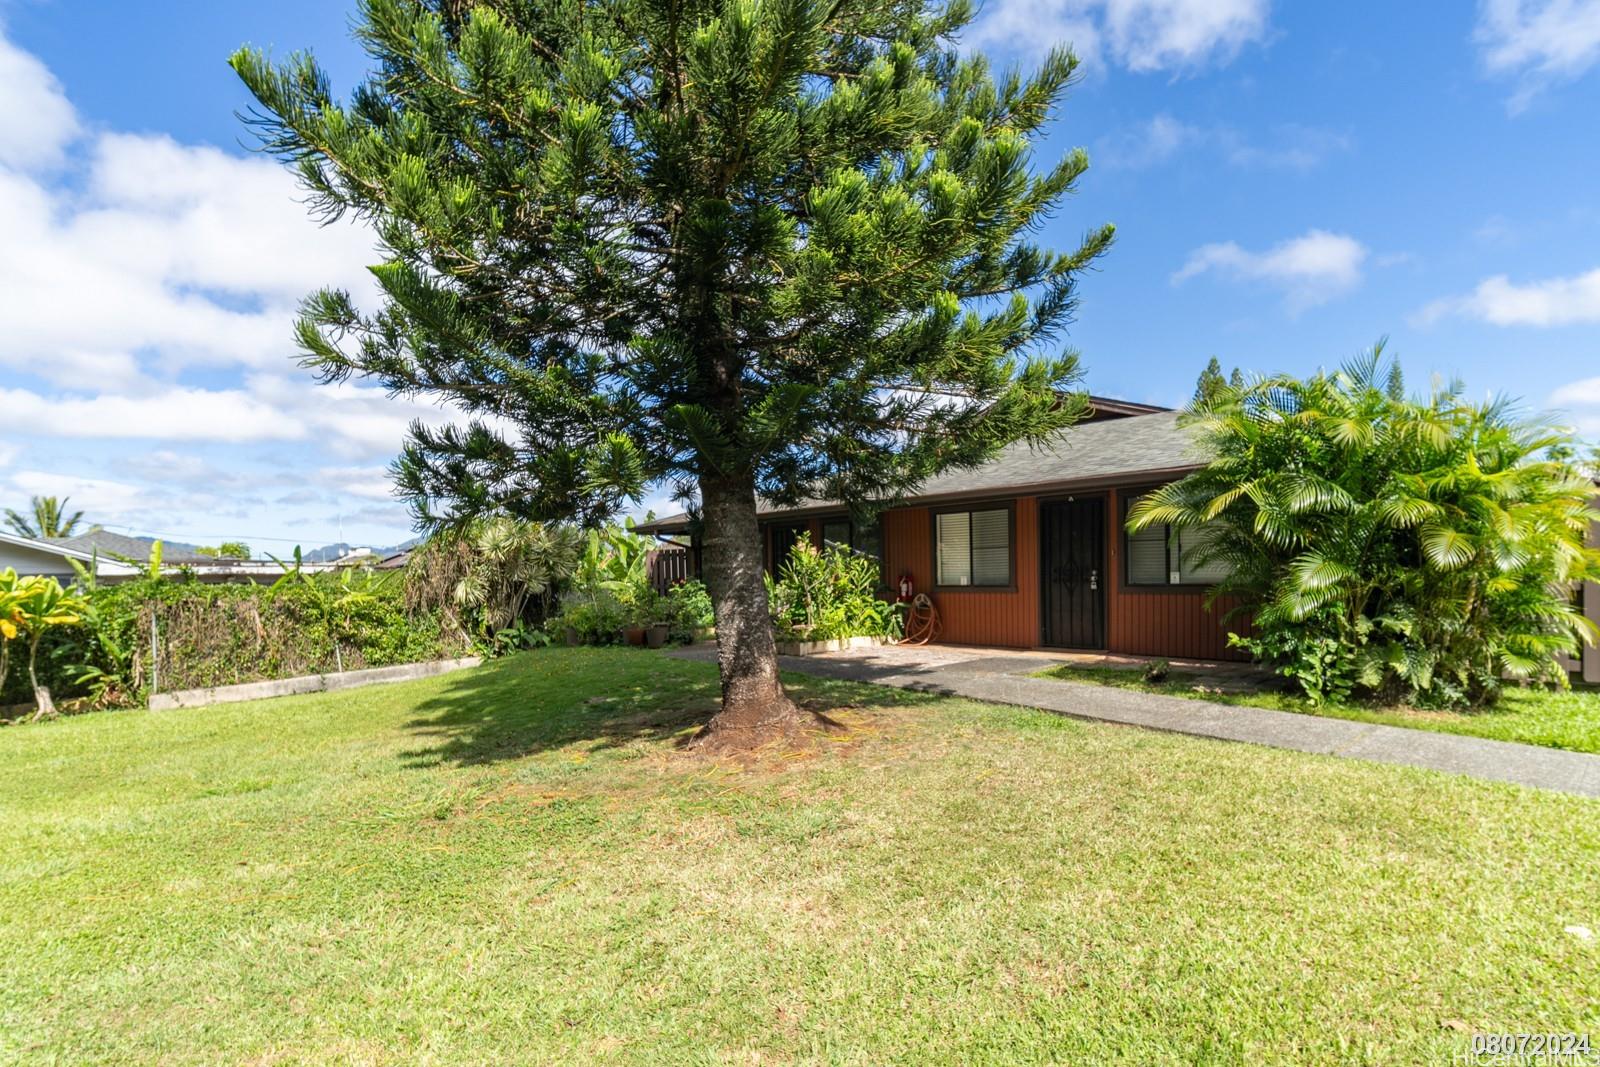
{"x": 687, "y": 608}
{"x": 171, "y": 629}
{"x": 493, "y": 574}
{"x": 1404, "y": 550}
{"x": 819, "y": 596}
{"x": 596, "y": 617}
{"x": 610, "y": 586}
{"x": 32, "y": 609}
{"x": 11, "y": 621}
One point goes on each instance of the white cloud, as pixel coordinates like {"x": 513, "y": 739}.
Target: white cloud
{"x": 99, "y": 496}
{"x": 37, "y": 121}
{"x": 1585, "y": 393}
{"x": 1150, "y": 143}
{"x": 125, "y": 504}
{"x": 1502, "y": 302}
{"x": 1162, "y": 138}
{"x": 373, "y": 483}
{"x": 1310, "y": 269}
{"x": 174, "y": 250}
{"x": 1538, "y": 42}
{"x": 1582, "y": 400}
{"x": 359, "y": 422}
{"x": 1141, "y": 35}
{"x": 175, "y": 414}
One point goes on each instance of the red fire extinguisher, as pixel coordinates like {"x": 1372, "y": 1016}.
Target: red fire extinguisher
{"x": 908, "y": 588}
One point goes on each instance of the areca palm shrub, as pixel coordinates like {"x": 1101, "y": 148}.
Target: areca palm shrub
{"x": 1417, "y": 550}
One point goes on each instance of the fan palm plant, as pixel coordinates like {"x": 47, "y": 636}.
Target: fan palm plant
{"x": 1411, "y": 549}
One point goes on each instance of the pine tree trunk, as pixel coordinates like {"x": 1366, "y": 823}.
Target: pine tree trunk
{"x": 755, "y": 709}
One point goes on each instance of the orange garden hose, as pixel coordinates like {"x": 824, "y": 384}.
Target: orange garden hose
{"x": 922, "y": 621}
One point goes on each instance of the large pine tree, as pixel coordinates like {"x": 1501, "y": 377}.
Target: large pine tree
{"x": 737, "y": 247}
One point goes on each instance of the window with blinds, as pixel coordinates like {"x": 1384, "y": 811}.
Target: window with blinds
{"x": 836, "y": 534}
{"x": 973, "y": 548}
{"x": 1155, "y": 557}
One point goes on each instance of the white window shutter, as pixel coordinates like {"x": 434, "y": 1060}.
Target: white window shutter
{"x": 953, "y": 548}
{"x": 991, "y": 547}
{"x": 1147, "y": 554}
{"x": 1190, "y": 541}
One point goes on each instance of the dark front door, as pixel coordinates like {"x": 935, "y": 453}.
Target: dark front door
{"x": 1072, "y": 557}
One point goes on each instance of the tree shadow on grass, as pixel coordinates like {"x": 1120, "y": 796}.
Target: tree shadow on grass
{"x": 598, "y": 698}
{"x": 510, "y": 708}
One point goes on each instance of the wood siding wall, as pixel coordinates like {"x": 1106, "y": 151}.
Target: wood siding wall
{"x": 1004, "y": 617}
{"x": 1152, "y": 621}
{"x": 1139, "y": 621}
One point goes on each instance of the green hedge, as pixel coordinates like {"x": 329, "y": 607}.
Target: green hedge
{"x": 208, "y": 635}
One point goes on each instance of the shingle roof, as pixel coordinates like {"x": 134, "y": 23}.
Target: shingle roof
{"x": 1105, "y": 452}
{"x": 122, "y": 546}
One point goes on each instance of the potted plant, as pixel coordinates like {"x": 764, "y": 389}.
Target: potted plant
{"x": 634, "y": 626}
{"x": 656, "y": 634}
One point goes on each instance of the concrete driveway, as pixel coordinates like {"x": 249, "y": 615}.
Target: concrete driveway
{"x": 1002, "y": 676}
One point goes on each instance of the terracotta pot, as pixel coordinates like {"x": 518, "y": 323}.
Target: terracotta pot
{"x": 633, "y": 635}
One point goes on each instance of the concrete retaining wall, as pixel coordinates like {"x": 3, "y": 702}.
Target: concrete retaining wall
{"x": 835, "y": 644}
{"x": 311, "y": 683}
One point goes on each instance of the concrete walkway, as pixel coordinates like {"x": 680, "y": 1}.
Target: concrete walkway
{"x": 1001, "y": 677}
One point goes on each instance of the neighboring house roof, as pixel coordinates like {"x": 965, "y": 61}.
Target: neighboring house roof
{"x": 1112, "y": 451}
{"x": 64, "y": 551}
{"x": 120, "y": 545}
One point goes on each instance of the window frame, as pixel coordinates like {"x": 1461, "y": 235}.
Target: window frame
{"x": 1125, "y": 501}
{"x": 1010, "y": 508}
{"x": 821, "y": 523}
{"x": 846, "y": 522}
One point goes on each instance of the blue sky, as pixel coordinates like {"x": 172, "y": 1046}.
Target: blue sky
{"x": 1289, "y": 182}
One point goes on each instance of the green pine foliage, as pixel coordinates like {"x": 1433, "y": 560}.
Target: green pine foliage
{"x": 638, "y": 242}
{"x": 1210, "y": 383}
{"x": 1413, "y": 551}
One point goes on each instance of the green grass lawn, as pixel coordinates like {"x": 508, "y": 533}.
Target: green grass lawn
{"x": 1569, "y": 720}
{"x": 516, "y": 864}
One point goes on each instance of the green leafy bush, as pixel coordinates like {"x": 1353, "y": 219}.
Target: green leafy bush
{"x": 1401, "y": 550}
{"x": 687, "y": 608}
{"x": 189, "y": 634}
{"x": 597, "y": 618}
{"x": 492, "y": 574}
{"x": 820, "y": 596}
{"x": 610, "y": 587}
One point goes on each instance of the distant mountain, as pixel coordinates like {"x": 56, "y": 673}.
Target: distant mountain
{"x": 340, "y": 549}
{"x": 326, "y": 554}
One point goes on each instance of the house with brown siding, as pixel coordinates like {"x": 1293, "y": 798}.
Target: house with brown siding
{"x": 1031, "y": 550}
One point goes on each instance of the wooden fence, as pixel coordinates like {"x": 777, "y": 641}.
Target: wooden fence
{"x": 667, "y": 566}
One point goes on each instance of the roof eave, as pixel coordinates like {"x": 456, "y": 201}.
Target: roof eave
{"x": 1050, "y": 487}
